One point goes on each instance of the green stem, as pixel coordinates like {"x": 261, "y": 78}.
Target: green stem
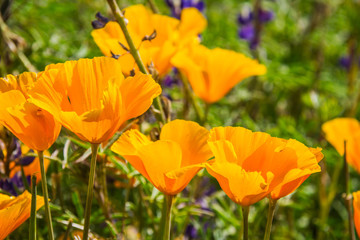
{"x": 166, "y": 217}
{"x": 199, "y": 113}
{"x": 348, "y": 196}
{"x": 119, "y": 16}
{"x": 245, "y": 210}
{"x": 32, "y": 234}
{"x": 153, "y": 6}
{"x": 90, "y": 192}
{"x": 271, "y": 211}
{"x": 68, "y": 230}
{"x": 46, "y": 195}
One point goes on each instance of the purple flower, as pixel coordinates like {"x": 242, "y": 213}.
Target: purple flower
{"x": 13, "y": 185}
{"x": 178, "y": 6}
{"x": 265, "y": 16}
{"x": 26, "y": 160}
{"x": 100, "y": 22}
{"x": 247, "y": 32}
{"x": 16, "y": 153}
{"x": 191, "y": 232}
{"x": 244, "y": 19}
{"x": 345, "y": 62}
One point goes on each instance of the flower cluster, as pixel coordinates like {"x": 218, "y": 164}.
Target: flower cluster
{"x": 177, "y": 6}
{"x": 250, "y": 24}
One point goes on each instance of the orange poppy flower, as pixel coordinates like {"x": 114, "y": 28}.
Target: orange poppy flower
{"x": 356, "y": 205}
{"x": 213, "y": 72}
{"x": 14, "y": 211}
{"x": 170, "y": 163}
{"x": 339, "y": 130}
{"x": 32, "y": 125}
{"x": 171, "y": 34}
{"x": 251, "y": 165}
{"x": 91, "y": 97}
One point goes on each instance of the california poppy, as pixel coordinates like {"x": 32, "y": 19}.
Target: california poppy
{"x": 213, "y": 72}
{"x": 165, "y": 36}
{"x": 91, "y": 97}
{"x": 356, "y": 205}
{"x": 339, "y": 130}
{"x": 32, "y": 125}
{"x": 251, "y": 165}
{"x": 14, "y": 211}
{"x": 170, "y": 163}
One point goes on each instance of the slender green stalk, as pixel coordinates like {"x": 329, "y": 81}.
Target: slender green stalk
{"x": 166, "y": 217}
{"x": 90, "y": 192}
{"x": 245, "y": 210}
{"x": 68, "y": 230}
{"x": 271, "y": 211}
{"x": 199, "y": 113}
{"x": 119, "y": 16}
{"x": 24, "y": 180}
{"x": 348, "y": 196}
{"x": 46, "y": 195}
{"x": 153, "y": 6}
{"x": 32, "y": 232}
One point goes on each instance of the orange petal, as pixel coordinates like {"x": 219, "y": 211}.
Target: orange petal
{"x": 244, "y": 188}
{"x": 339, "y": 130}
{"x": 14, "y": 211}
{"x": 138, "y": 93}
{"x": 356, "y": 206}
{"x": 244, "y": 141}
{"x": 159, "y": 158}
{"x": 191, "y": 137}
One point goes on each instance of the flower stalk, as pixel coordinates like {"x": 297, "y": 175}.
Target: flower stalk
{"x": 245, "y": 212}
{"x": 90, "y": 192}
{"x": 166, "y": 217}
{"x": 119, "y": 16}
{"x": 32, "y": 232}
{"x": 270, "y": 217}
{"x": 348, "y": 197}
{"x": 46, "y": 195}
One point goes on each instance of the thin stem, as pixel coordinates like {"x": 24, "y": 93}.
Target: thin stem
{"x": 271, "y": 211}
{"x": 32, "y": 232}
{"x": 68, "y": 230}
{"x": 94, "y": 150}
{"x": 46, "y": 195}
{"x": 153, "y": 6}
{"x": 166, "y": 217}
{"x": 199, "y": 113}
{"x": 245, "y": 210}
{"x": 348, "y": 196}
{"x": 119, "y": 16}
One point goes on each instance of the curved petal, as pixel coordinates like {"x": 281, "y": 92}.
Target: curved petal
{"x": 33, "y": 126}
{"x": 159, "y": 158}
{"x": 244, "y": 141}
{"x": 191, "y": 137}
{"x": 339, "y": 130}
{"x": 14, "y": 211}
{"x": 244, "y": 188}
{"x": 138, "y": 93}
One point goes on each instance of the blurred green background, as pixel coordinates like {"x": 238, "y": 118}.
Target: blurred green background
{"x": 304, "y": 87}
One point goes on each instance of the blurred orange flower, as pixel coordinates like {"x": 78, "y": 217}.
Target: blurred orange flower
{"x": 32, "y": 125}
{"x": 170, "y": 163}
{"x": 251, "y": 165}
{"x": 212, "y": 73}
{"x": 339, "y": 130}
{"x": 356, "y": 205}
{"x": 14, "y": 211}
{"x": 171, "y": 35}
{"x": 91, "y": 97}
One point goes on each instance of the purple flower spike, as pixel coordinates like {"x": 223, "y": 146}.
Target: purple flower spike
{"x": 17, "y": 151}
{"x": 244, "y": 19}
{"x": 345, "y": 62}
{"x": 265, "y": 16}
{"x": 191, "y": 232}
{"x": 247, "y": 32}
